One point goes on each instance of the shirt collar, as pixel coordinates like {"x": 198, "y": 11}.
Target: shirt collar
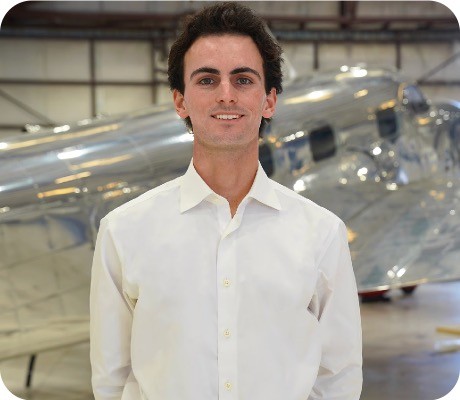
{"x": 262, "y": 190}
{"x": 193, "y": 189}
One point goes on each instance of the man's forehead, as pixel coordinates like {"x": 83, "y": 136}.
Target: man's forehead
{"x": 202, "y": 50}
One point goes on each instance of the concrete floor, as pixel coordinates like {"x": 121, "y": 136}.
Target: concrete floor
{"x": 404, "y": 357}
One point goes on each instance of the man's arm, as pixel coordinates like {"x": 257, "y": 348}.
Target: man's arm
{"x": 110, "y": 321}
{"x": 340, "y": 372}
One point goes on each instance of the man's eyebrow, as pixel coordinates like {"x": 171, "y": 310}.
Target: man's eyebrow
{"x": 214, "y": 71}
{"x": 207, "y": 70}
{"x": 245, "y": 70}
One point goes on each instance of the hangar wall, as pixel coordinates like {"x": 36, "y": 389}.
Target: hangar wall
{"x": 54, "y": 81}
{"x": 416, "y": 60}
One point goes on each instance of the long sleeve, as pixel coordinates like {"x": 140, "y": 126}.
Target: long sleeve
{"x": 340, "y": 371}
{"x": 110, "y": 321}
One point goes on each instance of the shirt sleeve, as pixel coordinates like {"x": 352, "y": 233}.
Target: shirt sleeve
{"x": 110, "y": 321}
{"x": 340, "y": 371}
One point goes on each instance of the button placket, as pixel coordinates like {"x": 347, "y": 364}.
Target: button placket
{"x": 226, "y": 313}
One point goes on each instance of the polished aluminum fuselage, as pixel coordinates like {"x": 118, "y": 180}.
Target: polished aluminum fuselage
{"x": 368, "y": 145}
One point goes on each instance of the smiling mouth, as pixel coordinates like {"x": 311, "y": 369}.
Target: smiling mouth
{"x": 227, "y": 116}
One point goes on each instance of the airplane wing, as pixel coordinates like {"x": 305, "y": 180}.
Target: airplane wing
{"x": 409, "y": 236}
{"x": 53, "y": 335}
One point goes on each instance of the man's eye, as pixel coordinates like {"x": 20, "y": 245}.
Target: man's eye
{"x": 244, "y": 81}
{"x": 206, "y": 81}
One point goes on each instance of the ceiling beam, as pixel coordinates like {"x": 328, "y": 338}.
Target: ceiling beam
{"x": 365, "y": 36}
{"x": 137, "y": 21}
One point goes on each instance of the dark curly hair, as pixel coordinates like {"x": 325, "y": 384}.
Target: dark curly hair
{"x": 220, "y": 19}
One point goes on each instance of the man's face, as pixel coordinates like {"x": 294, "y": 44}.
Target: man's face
{"x": 224, "y": 93}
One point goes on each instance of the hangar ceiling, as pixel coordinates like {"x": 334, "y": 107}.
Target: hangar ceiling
{"x": 336, "y": 21}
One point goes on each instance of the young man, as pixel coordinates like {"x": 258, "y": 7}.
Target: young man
{"x": 223, "y": 284}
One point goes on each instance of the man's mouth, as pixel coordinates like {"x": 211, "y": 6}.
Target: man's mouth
{"x": 227, "y": 116}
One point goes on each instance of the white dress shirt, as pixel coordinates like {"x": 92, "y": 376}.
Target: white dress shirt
{"x": 188, "y": 303}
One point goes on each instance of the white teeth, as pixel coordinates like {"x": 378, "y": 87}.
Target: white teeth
{"x": 225, "y": 116}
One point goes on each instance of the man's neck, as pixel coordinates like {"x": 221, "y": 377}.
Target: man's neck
{"x": 229, "y": 174}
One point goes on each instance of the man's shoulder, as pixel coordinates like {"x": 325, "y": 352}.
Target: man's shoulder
{"x": 145, "y": 201}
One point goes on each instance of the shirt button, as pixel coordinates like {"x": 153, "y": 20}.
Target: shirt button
{"x": 226, "y": 282}
{"x": 228, "y": 386}
{"x": 227, "y": 333}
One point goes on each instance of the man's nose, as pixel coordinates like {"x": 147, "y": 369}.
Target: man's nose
{"x": 226, "y": 93}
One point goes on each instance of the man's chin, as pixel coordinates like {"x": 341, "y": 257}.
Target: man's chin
{"x": 226, "y": 142}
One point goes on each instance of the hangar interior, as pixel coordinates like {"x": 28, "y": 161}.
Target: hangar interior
{"x": 65, "y": 61}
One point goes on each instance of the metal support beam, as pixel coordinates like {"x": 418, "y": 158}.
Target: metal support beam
{"x": 152, "y": 21}
{"x": 92, "y": 77}
{"x": 85, "y": 34}
{"x": 367, "y": 36}
{"x": 442, "y": 35}
{"x": 47, "y": 82}
{"x": 343, "y": 13}
{"x": 153, "y": 70}
{"x": 439, "y": 67}
{"x": 347, "y": 13}
{"x": 398, "y": 55}
{"x": 315, "y": 56}
{"x": 26, "y": 108}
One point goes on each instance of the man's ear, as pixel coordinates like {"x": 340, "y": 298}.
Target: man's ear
{"x": 179, "y": 103}
{"x": 270, "y": 104}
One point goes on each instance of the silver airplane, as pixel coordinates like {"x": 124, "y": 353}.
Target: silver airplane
{"x": 362, "y": 142}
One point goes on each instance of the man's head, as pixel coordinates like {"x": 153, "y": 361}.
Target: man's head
{"x": 221, "y": 19}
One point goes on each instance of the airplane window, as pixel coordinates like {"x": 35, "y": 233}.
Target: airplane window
{"x": 387, "y": 123}
{"x": 322, "y": 143}
{"x": 266, "y": 159}
{"x": 414, "y": 99}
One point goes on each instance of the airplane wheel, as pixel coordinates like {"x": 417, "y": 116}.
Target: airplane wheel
{"x": 374, "y": 297}
{"x": 408, "y": 289}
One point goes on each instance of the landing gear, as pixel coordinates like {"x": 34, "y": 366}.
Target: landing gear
{"x": 380, "y": 296}
{"x": 409, "y": 289}
{"x": 374, "y": 297}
